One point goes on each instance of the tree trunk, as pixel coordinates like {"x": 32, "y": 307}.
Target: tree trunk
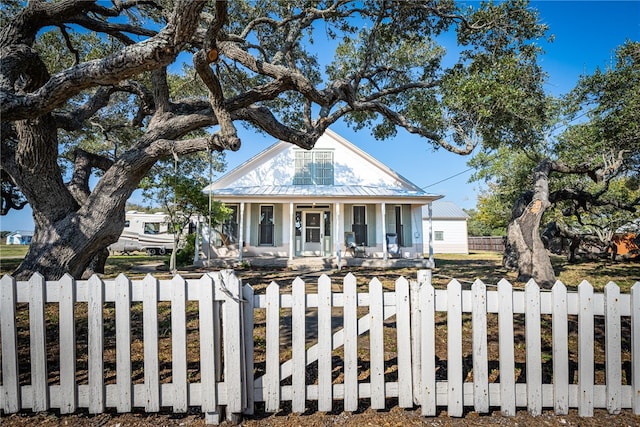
{"x": 75, "y": 244}
{"x": 525, "y": 249}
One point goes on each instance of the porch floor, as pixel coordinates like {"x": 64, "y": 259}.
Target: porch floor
{"x": 312, "y": 263}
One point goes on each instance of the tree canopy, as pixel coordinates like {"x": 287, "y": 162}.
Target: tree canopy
{"x": 86, "y": 89}
{"x": 582, "y": 173}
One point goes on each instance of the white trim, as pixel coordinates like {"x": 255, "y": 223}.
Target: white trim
{"x": 291, "y": 230}
{"x": 383, "y": 210}
{"x": 240, "y": 232}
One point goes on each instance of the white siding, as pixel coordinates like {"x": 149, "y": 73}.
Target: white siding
{"x": 454, "y": 232}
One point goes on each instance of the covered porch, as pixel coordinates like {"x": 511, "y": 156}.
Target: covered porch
{"x": 360, "y": 230}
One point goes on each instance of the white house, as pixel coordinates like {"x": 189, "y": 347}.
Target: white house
{"x": 19, "y": 238}
{"x": 449, "y": 226}
{"x": 290, "y": 202}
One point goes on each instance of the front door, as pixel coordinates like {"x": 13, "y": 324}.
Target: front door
{"x": 313, "y": 231}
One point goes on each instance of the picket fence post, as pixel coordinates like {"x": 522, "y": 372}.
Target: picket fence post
{"x": 455, "y": 392}
{"x": 233, "y": 367}
{"x": 376, "y": 346}
{"x": 403, "y": 328}
{"x": 585, "y": 349}
{"x": 10, "y": 395}
{"x": 613, "y": 338}
{"x": 247, "y": 313}
{"x": 95, "y": 352}
{"x": 479, "y": 343}
{"x": 38, "y": 344}
{"x": 123, "y": 343}
{"x": 67, "y": 330}
{"x": 534, "y": 348}
{"x": 150, "y": 331}
{"x": 208, "y": 349}
{"x": 635, "y": 347}
{"x": 325, "y": 345}
{"x": 350, "y": 362}
{"x": 179, "y": 344}
{"x": 505, "y": 348}
{"x": 560, "y": 348}
{"x": 298, "y": 347}
{"x": 271, "y": 382}
{"x": 428, "y": 392}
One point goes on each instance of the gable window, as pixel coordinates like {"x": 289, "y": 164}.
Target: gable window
{"x": 313, "y": 168}
{"x": 266, "y": 225}
{"x": 438, "y": 235}
{"x": 359, "y": 226}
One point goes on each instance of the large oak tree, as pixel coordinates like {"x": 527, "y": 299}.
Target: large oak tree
{"x": 579, "y": 179}
{"x": 79, "y": 71}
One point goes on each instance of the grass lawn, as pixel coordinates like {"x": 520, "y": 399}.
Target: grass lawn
{"x": 485, "y": 266}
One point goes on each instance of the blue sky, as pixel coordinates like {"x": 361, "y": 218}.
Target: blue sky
{"x": 586, "y": 35}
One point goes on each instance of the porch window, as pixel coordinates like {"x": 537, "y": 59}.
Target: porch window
{"x": 266, "y": 225}
{"x": 359, "y": 226}
{"x": 313, "y": 168}
{"x": 327, "y": 223}
{"x": 399, "y": 228}
{"x": 298, "y": 223}
{"x": 230, "y": 225}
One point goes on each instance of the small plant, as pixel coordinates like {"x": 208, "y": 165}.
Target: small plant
{"x": 185, "y": 255}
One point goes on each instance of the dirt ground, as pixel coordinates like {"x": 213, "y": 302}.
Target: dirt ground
{"x": 395, "y": 417}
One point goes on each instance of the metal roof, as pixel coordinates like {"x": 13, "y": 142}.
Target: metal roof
{"x": 321, "y": 191}
{"x": 444, "y": 209}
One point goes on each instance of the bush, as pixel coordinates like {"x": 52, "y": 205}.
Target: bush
{"x": 185, "y": 255}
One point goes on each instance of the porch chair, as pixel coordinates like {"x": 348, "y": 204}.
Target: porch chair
{"x": 393, "y": 248}
{"x": 351, "y": 245}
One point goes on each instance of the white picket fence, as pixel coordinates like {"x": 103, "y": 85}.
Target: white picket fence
{"x": 323, "y": 332}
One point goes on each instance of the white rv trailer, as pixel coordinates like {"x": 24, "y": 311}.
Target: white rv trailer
{"x": 145, "y": 232}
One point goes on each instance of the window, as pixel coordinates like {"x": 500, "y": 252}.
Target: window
{"x": 230, "y": 225}
{"x": 127, "y": 224}
{"x": 313, "y": 168}
{"x": 399, "y": 229}
{"x": 151, "y": 227}
{"x": 438, "y": 235}
{"x": 327, "y": 223}
{"x": 298, "y": 223}
{"x": 266, "y": 225}
{"x": 359, "y": 226}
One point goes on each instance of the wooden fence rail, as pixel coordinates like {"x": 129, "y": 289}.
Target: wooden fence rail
{"x": 323, "y": 342}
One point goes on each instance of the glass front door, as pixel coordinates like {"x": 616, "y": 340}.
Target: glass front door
{"x": 313, "y": 233}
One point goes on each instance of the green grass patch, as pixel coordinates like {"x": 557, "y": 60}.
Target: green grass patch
{"x": 13, "y": 251}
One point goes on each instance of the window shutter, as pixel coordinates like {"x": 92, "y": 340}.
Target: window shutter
{"x": 371, "y": 224}
{"x": 407, "y": 225}
{"x": 254, "y": 224}
{"x": 278, "y": 224}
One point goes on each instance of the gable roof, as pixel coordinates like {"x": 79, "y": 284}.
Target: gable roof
{"x": 444, "y": 209}
{"x": 356, "y": 174}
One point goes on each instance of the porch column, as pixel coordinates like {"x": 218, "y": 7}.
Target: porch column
{"x": 430, "y": 236}
{"x": 241, "y": 232}
{"x": 291, "y": 230}
{"x": 384, "y": 230}
{"x": 336, "y": 228}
